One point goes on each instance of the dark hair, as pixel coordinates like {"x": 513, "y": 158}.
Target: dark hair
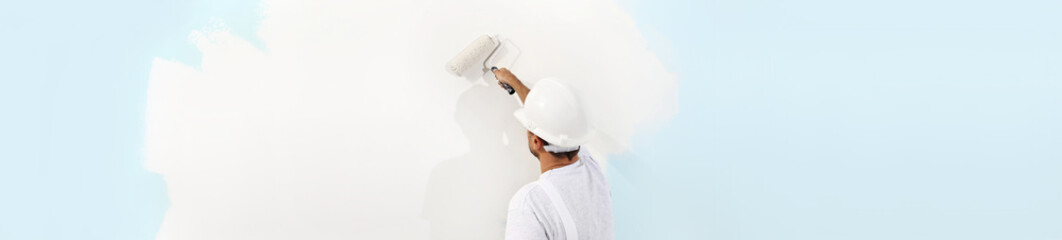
{"x": 569, "y": 154}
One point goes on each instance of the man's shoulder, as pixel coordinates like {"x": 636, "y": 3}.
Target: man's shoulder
{"x": 523, "y": 195}
{"x": 584, "y": 154}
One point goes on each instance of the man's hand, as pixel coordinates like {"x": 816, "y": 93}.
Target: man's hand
{"x": 505, "y": 76}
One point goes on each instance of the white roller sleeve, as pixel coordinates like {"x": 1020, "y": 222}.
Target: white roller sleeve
{"x": 473, "y": 55}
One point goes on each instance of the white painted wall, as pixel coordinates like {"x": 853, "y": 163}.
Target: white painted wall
{"x": 345, "y": 125}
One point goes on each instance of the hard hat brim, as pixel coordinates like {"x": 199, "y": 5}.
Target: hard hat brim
{"x": 521, "y": 116}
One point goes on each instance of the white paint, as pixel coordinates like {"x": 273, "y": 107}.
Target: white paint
{"x": 347, "y": 126}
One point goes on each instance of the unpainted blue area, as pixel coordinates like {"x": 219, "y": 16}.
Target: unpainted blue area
{"x": 850, "y": 120}
{"x": 72, "y": 95}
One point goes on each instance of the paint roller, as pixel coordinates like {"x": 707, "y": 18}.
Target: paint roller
{"x": 487, "y": 52}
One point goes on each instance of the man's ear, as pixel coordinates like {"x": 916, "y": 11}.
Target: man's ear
{"x": 537, "y": 142}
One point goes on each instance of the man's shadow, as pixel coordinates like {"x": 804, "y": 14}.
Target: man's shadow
{"x": 468, "y": 197}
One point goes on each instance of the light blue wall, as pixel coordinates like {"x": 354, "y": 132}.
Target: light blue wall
{"x": 797, "y": 119}
{"x": 851, "y": 120}
{"x": 72, "y": 91}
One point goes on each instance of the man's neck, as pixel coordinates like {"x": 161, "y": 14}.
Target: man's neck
{"x": 549, "y": 162}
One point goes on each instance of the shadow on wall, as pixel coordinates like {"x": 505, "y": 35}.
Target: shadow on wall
{"x": 467, "y": 197}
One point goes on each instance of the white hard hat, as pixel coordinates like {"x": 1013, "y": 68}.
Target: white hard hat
{"x": 552, "y": 112}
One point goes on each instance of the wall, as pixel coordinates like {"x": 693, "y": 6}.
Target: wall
{"x": 343, "y": 124}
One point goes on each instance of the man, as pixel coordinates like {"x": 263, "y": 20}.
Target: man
{"x": 571, "y": 199}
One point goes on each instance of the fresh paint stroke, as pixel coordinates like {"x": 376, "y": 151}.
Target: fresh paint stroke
{"x": 342, "y": 123}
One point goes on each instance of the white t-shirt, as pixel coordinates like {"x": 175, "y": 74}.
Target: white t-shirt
{"x": 584, "y": 190}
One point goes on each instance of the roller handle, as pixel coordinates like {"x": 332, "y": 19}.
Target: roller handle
{"x": 508, "y": 88}
{"x": 504, "y": 85}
